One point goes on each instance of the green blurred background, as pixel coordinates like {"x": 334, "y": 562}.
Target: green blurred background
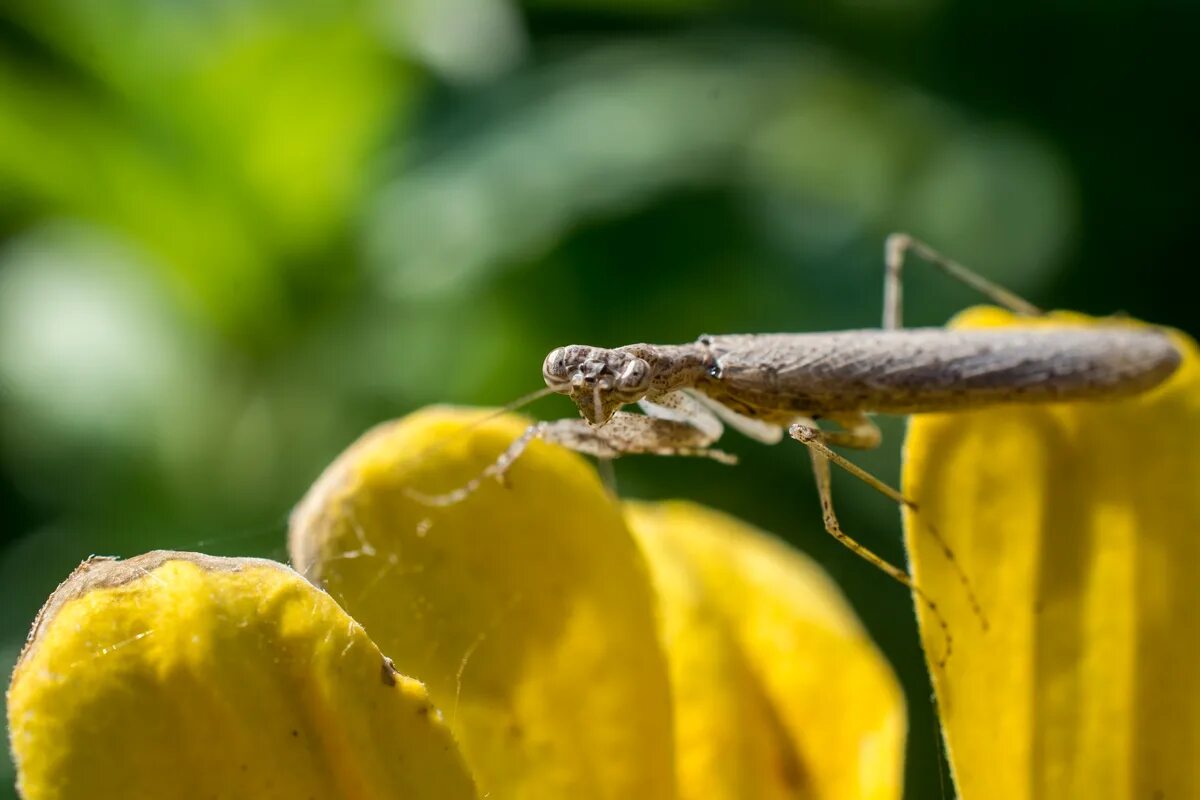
{"x": 235, "y": 234}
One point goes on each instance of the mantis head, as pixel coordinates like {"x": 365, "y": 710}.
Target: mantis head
{"x": 598, "y": 380}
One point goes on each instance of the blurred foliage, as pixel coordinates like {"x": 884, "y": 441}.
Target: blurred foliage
{"x": 235, "y": 234}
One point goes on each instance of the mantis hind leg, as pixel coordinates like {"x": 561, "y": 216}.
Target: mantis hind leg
{"x": 899, "y": 244}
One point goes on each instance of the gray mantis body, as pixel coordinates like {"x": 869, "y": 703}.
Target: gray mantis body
{"x": 932, "y": 369}
{"x": 765, "y": 384}
{"x": 776, "y": 378}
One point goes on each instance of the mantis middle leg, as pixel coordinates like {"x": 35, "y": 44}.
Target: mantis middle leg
{"x": 861, "y": 433}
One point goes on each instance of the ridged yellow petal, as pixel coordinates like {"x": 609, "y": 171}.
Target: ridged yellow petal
{"x": 525, "y": 609}
{"x": 1079, "y": 526}
{"x": 779, "y": 692}
{"x": 176, "y": 675}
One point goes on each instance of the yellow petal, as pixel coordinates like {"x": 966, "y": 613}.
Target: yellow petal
{"x": 1079, "y": 526}
{"x": 526, "y": 610}
{"x": 186, "y": 676}
{"x": 779, "y": 691}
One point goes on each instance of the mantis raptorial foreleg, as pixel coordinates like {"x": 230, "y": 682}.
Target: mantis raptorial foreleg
{"x": 624, "y": 434}
{"x": 755, "y": 429}
{"x": 633, "y": 433}
{"x": 685, "y": 408}
{"x": 893, "y": 297}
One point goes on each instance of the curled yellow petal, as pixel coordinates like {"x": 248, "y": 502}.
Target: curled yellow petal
{"x": 186, "y": 676}
{"x": 779, "y": 691}
{"x": 1079, "y": 527}
{"x": 526, "y": 609}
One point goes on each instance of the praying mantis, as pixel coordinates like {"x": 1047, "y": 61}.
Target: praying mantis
{"x": 771, "y": 386}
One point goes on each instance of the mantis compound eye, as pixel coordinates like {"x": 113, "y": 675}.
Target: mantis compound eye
{"x": 635, "y": 378}
{"x": 554, "y": 368}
